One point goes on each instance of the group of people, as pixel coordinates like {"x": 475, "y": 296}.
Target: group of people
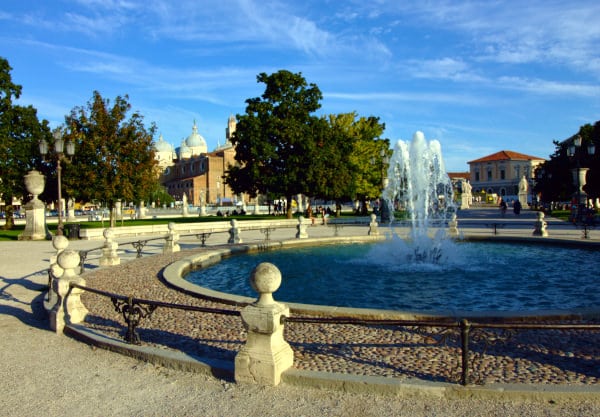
{"x": 516, "y": 207}
{"x": 321, "y": 212}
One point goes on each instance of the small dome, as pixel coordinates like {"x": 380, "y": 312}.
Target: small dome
{"x": 162, "y": 146}
{"x": 184, "y": 151}
{"x": 195, "y": 140}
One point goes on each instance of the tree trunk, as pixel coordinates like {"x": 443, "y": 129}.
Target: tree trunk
{"x": 10, "y": 218}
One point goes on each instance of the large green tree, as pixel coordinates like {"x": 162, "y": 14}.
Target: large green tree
{"x": 114, "y": 153}
{"x": 349, "y": 162}
{"x": 20, "y": 133}
{"x": 554, "y": 179}
{"x": 275, "y": 138}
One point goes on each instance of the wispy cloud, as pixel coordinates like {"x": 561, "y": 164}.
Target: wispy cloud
{"x": 546, "y": 87}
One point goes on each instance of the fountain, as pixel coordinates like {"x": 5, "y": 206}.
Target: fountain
{"x": 418, "y": 183}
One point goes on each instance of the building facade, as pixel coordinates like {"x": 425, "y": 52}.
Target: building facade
{"x": 500, "y": 173}
{"x": 192, "y": 171}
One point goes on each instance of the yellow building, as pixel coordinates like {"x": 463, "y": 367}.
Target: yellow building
{"x": 500, "y": 173}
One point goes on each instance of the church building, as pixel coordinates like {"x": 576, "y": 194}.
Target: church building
{"x": 192, "y": 171}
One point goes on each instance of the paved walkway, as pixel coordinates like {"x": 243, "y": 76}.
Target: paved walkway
{"x": 46, "y": 374}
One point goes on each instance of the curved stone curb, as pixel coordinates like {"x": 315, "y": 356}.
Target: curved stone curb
{"x": 329, "y": 380}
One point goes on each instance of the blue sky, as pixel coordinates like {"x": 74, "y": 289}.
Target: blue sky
{"x": 479, "y": 76}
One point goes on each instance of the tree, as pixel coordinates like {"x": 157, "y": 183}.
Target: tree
{"x": 554, "y": 178}
{"x": 275, "y": 138}
{"x": 20, "y": 132}
{"x": 114, "y": 156}
{"x": 348, "y": 162}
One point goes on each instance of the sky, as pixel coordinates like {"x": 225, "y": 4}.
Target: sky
{"x": 479, "y": 76}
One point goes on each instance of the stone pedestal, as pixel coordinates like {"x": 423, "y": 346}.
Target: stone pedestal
{"x": 453, "y": 226}
{"x": 266, "y": 354}
{"x": 71, "y": 210}
{"x": 118, "y": 210}
{"x": 35, "y": 210}
{"x": 234, "y": 233}
{"x": 60, "y": 243}
{"x": 67, "y": 309}
{"x": 109, "y": 250}
{"x": 540, "y": 226}
{"x": 172, "y": 238}
{"x": 302, "y": 228}
{"x": 141, "y": 214}
{"x": 373, "y": 226}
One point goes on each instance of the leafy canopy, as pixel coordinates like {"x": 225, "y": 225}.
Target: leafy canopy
{"x": 114, "y": 154}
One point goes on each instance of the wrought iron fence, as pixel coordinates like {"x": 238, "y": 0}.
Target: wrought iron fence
{"x": 461, "y": 331}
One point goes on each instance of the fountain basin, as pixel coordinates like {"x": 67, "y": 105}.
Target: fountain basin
{"x": 479, "y": 287}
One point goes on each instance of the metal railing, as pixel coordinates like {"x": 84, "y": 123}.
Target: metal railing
{"x": 133, "y": 309}
{"x": 461, "y": 331}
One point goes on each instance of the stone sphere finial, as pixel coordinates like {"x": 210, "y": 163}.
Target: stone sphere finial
{"x": 60, "y": 242}
{"x": 108, "y": 233}
{"x": 68, "y": 260}
{"x": 171, "y": 226}
{"x": 265, "y": 280}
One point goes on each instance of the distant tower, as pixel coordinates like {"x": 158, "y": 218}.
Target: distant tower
{"x": 231, "y": 125}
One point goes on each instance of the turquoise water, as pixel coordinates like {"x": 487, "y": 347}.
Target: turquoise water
{"x": 468, "y": 276}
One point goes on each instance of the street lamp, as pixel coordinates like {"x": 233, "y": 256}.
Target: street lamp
{"x": 60, "y": 150}
{"x": 579, "y": 174}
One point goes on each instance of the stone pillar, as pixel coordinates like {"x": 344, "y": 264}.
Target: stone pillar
{"x": 373, "y": 226}
{"x": 67, "y": 309}
{"x": 184, "y": 206}
{"x": 171, "y": 244}
{"x": 71, "y": 210}
{"x": 118, "y": 210}
{"x": 141, "y": 211}
{"x": 234, "y": 233}
{"x": 300, "y": 207}
{"x": 256, "y": 205}
{"x": 60, "y": 243}
{"x": 453, "y": 225}
{"x": 266, "y": 355}
{"x": 35, "y": 210}
{"x": 109, "y": 249}
{"x": 302, "y": 228}
{"x": 540, "y": 225}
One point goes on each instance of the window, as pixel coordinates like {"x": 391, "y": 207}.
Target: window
{"x": 489, "y": 175}
{"x": 477, "y": 177}
{"x": 502, "y": 174}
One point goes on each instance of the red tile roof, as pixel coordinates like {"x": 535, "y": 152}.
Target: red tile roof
{"x": 505, "y": 156}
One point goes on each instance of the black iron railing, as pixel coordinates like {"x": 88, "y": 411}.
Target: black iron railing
{"x": 462, "y": 330}
{"x": 133, "y": 309}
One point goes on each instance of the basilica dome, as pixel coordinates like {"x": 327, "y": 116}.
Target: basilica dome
{"x": 163, "y": 146}
{"x": 196, "y": 142}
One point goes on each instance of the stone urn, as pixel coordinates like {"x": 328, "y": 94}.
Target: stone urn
{"x": 35, "y": 182}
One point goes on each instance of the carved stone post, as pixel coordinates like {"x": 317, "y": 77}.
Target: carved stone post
{"x": 453, "y": 225}
{"x": 302, "y": 228}
{"x": 60, "y": 243}
{"x": 67, "y": 309}
{"x": 171, "y": 244}
{"x": 35, "y": 216}
{"x": 373, "y": 226}
{"x": 234, "y": 233}
{"x": 109, "y": 250}
{"x": 540, "y": 226}
{"x": 266, "y": 354}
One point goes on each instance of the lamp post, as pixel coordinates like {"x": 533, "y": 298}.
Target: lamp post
{"x": 60, "y": 150}
{"x": 579, "y": 174}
